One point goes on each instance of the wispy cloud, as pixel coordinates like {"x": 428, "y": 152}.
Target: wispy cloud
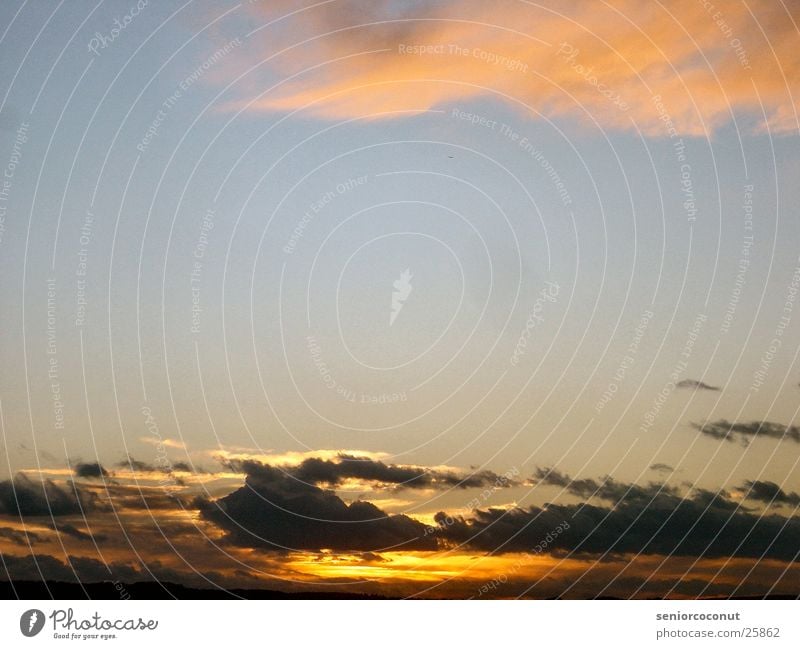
{"x": 163, "y": 441}
{"x": 616, "y": 64}
{"x": 691, "y": 384}
{"x": 723, "y": 429}
{"x": 661, "y": 467}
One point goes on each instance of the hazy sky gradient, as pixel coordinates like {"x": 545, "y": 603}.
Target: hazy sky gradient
{"x": 299, "y": 160}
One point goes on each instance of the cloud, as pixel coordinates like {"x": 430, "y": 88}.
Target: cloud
{"x": 691, "y": 384}
{"x": 165, "y": 442}
{"x": 291, "y": 457}
{"x": 769, "y": 492}
{"x": 619, "y": 63}
{"x": 74, "y": 532}
{"x": 333, "y": 473}
{"x": 606, "y": 489}
{"x": 42, "y": 453}
{"x": 20, "y": 537}
{"x": 276, "y": 511}
{"x": 706, "y": 524}
{"x": 83, "y": 569}
{"x": 34, "y": 567}
{"x": 168, "y": 494}
{"x": 25, "y": 497}
{"x": 662, "y": 468}
{"x": 139, "y": 466}
{"x": 723, "y": 429}
{"x": 163, "y": 466}
{"x": 90, "y": 470}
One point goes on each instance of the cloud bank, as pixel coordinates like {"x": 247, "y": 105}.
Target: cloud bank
{"x": 276, "y": 511}
{"x": 722, "y": 429}
{"x": 653, "y": 519}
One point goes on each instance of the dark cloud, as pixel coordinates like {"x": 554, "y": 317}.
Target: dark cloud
{"x": 275, "y": 510}
{"x": 691, "y": 384}
{"x": 770, "y": 493}
{"x": 20, "y": 537}
{"x": 90, "y": 470}
{"x": 331, "y": 473}
{"x": 662, "y": 468}
{"x": 149, "y": 497}
{"x": 605, "y": 489}
{"x": 74, "y": 532}
{"x": 25, "y": 497}
{"x": 134, "y": 574}
{"x": 140, "y": 467}
{"x": 647, "y": 520}
{"x": 37, "y": 566}
{"x": 723, "y": 429}
{"x": 704, "y": 526}
{"x": 137, "y": 466}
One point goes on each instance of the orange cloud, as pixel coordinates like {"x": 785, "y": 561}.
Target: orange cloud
{"x": 166, "y": 442}
{"x": 691, "y": 65}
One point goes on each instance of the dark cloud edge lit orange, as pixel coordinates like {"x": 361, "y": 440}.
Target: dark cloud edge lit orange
{"x": 285, "y": 529}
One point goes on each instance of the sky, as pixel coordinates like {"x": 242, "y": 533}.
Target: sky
{"x": 405, "y": 299}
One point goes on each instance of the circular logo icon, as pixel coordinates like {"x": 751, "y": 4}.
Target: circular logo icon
{"x": 31, "y": 622}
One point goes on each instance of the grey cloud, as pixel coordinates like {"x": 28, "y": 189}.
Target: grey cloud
{"x": 74, "y": 532}
{"x": 25, "y": 497}
{"x": 770, "y": 493}
{"x": 605, "y": 489}
{"x": 662, "y": 468}
{"x": 331, "y": 473}
{"x": 707, "y": 524}
{"x": 89, "y": 470}
{"x": 276, "y": 511}
{"x": 722, "y": 429}
{"x": 691, "y": 384}
{"x": 20, "y": 537}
